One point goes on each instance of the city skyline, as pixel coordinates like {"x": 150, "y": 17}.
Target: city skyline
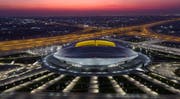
{"x": 87, "y": 7}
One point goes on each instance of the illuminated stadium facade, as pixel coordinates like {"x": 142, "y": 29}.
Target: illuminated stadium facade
{"x": 96, "y": 57}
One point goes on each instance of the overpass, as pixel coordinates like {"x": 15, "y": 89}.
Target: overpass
{"x": 150, "y": 45}
{"x": 169, "y": 50}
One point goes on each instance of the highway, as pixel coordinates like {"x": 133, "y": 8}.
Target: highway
{"x": 168, "y": 50}
{"x": 31, "y": 43}
{"x": 151, "y": 45}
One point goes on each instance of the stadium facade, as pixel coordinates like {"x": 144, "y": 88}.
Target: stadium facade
{"x": 96, "y": 57}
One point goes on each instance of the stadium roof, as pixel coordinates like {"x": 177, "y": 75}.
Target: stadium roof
{"x": 95, "y": 43}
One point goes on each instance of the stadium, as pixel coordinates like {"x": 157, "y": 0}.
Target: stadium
{"x": 96, "y": 58}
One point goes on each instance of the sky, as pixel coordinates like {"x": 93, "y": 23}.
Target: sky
{"x": 87, "y": 7}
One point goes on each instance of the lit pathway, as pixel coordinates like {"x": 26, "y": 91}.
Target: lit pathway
{"x": 27, "y": 83}
{"x": 94, "y": 87}
{"x": 116, "y": 86}
{"x": 20, "y": 77}
{"x": 71, "y": 85}
{"x": 46, "y": 85}
{"x": 167, "y": 78}
{"x": 141, "y": 86}
{"x": 172, "y": 89}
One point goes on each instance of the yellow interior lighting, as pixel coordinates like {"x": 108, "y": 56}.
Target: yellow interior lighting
{"x": 95, "y": 43}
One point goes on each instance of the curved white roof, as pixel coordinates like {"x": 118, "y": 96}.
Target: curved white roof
{"x": 95, "y": 61}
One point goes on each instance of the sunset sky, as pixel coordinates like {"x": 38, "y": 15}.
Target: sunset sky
{"x": 86, "y": 7}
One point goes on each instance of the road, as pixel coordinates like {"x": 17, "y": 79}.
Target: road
{"x": 151, "y": 45}
{"x": 31, "y": 43}
{"x": 174, "y": 51}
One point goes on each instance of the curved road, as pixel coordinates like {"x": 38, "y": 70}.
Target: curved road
{"x": 31, "y": 43}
